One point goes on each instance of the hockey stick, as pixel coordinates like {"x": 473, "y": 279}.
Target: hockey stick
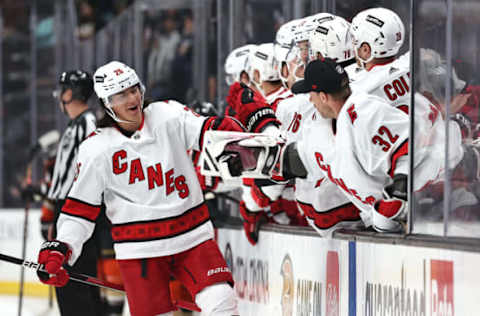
{"x": 78, "y": 277}
{"x": 24, "y": 239}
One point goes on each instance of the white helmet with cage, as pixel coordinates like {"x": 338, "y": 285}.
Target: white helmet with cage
{"x": 113, "y": 78}
{"x": 284, "y": 46}
{"x": 302, "y": 35}
{"x": 382, "y": 29}
{"x": 262, "y": 59}
{"x": 236, "y": 63}
{"x": 332, "y": 39}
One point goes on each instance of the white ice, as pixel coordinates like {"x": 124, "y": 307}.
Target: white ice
{"x": 32, "y": 306}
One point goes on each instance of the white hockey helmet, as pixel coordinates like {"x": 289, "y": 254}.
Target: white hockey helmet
{"x": 286, "y": 33}
{"x": 262, "y": 59}
{"x": 309, "y": 24}
{"x": 332, "y": 39}
{"x": 113, "y": 78}
{"x": 236, "y": 63}
{"x": 302, "y": 34}
{"x": 284, "y": 46}
{"x": 380, "y": 28}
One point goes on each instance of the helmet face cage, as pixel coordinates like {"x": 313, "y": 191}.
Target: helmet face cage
{"x": 114, "y": 78}
{"x": 303, "y": 31}
{"x": 381, "y": 29}
{"x": 332, "y": 39}
{"x": 284, "y": 48}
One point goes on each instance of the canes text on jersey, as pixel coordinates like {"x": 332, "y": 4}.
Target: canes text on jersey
{"x": 154, "y": 174}
{"x": 339, "y": 181}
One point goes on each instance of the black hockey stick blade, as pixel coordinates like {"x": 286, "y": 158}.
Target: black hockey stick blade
{"x": 78, "y": 277}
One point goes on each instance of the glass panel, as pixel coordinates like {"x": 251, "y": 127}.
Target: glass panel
{"x": 446, "y": 65}
{"x": 430, "y": 88}
{"x": 464, "y": 109}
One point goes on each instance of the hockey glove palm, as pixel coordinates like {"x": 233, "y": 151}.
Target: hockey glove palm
{"x": 53, "y": 255}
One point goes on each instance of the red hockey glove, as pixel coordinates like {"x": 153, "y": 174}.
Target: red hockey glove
{"x": 53, "y": 255}
{"x": 233, "y": 92}
{"x": 252, "y": 222}
{"x": 252, "y": 110}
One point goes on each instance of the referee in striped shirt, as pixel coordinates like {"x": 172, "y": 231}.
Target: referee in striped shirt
{"x": 75, "y": 88}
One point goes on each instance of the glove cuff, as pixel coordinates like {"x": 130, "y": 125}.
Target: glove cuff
{"x": 259, "y": 119}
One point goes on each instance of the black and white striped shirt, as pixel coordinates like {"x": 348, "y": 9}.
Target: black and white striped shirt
{"x": 64, "y": 171}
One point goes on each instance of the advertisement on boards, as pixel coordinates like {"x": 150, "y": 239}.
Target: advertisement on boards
{"x": 407, "y": 280}
{"x": 286, "y": 274}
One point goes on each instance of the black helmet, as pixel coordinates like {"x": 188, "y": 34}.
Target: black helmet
{"x": 79, "y": 81}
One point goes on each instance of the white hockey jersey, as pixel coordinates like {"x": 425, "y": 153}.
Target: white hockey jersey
{"x": 370, "y": 137}
{"x": 147, "y": 182}
{"x": 390, "y": 82}
{"x": 370, "y": 146}
{"x": 323, "y": 205}
{"x": 293, "y": 113}
{"x": 274, "y": 97}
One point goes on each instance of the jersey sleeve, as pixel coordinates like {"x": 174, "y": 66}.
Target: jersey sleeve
{"x": 191, "y": 124}
{"x": 380, "y": 137}
{"x": 77, "y": 219}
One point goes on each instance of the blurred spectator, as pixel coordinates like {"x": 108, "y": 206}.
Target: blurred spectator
{"x": 86, "y": 20}
{"x": 183, "y": 64}
{"x": 106, "y": 10}
{"x": 165, "y": 42}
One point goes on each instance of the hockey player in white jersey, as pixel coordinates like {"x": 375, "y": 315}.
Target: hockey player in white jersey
{"x": 370, "y": 161}
{"x": 138, "y": 165}
{"x": 264, "y": 75}
{"x": 330, "y": 38}
{"x": 236, "y": 65}
{"x": 285, "y": 52}
{"x": 263, "y": 69}
{"x": 378, "y": 34}
{"x": 325, "y": 206}
{"x": 262, "y": 196}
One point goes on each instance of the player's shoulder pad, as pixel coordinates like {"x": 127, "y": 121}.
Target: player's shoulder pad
{"x": 295, "y": 101}
{"x": 95, "y": 143}
{"x": 165, "y": 105}
{"x": 364, "y": 107}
